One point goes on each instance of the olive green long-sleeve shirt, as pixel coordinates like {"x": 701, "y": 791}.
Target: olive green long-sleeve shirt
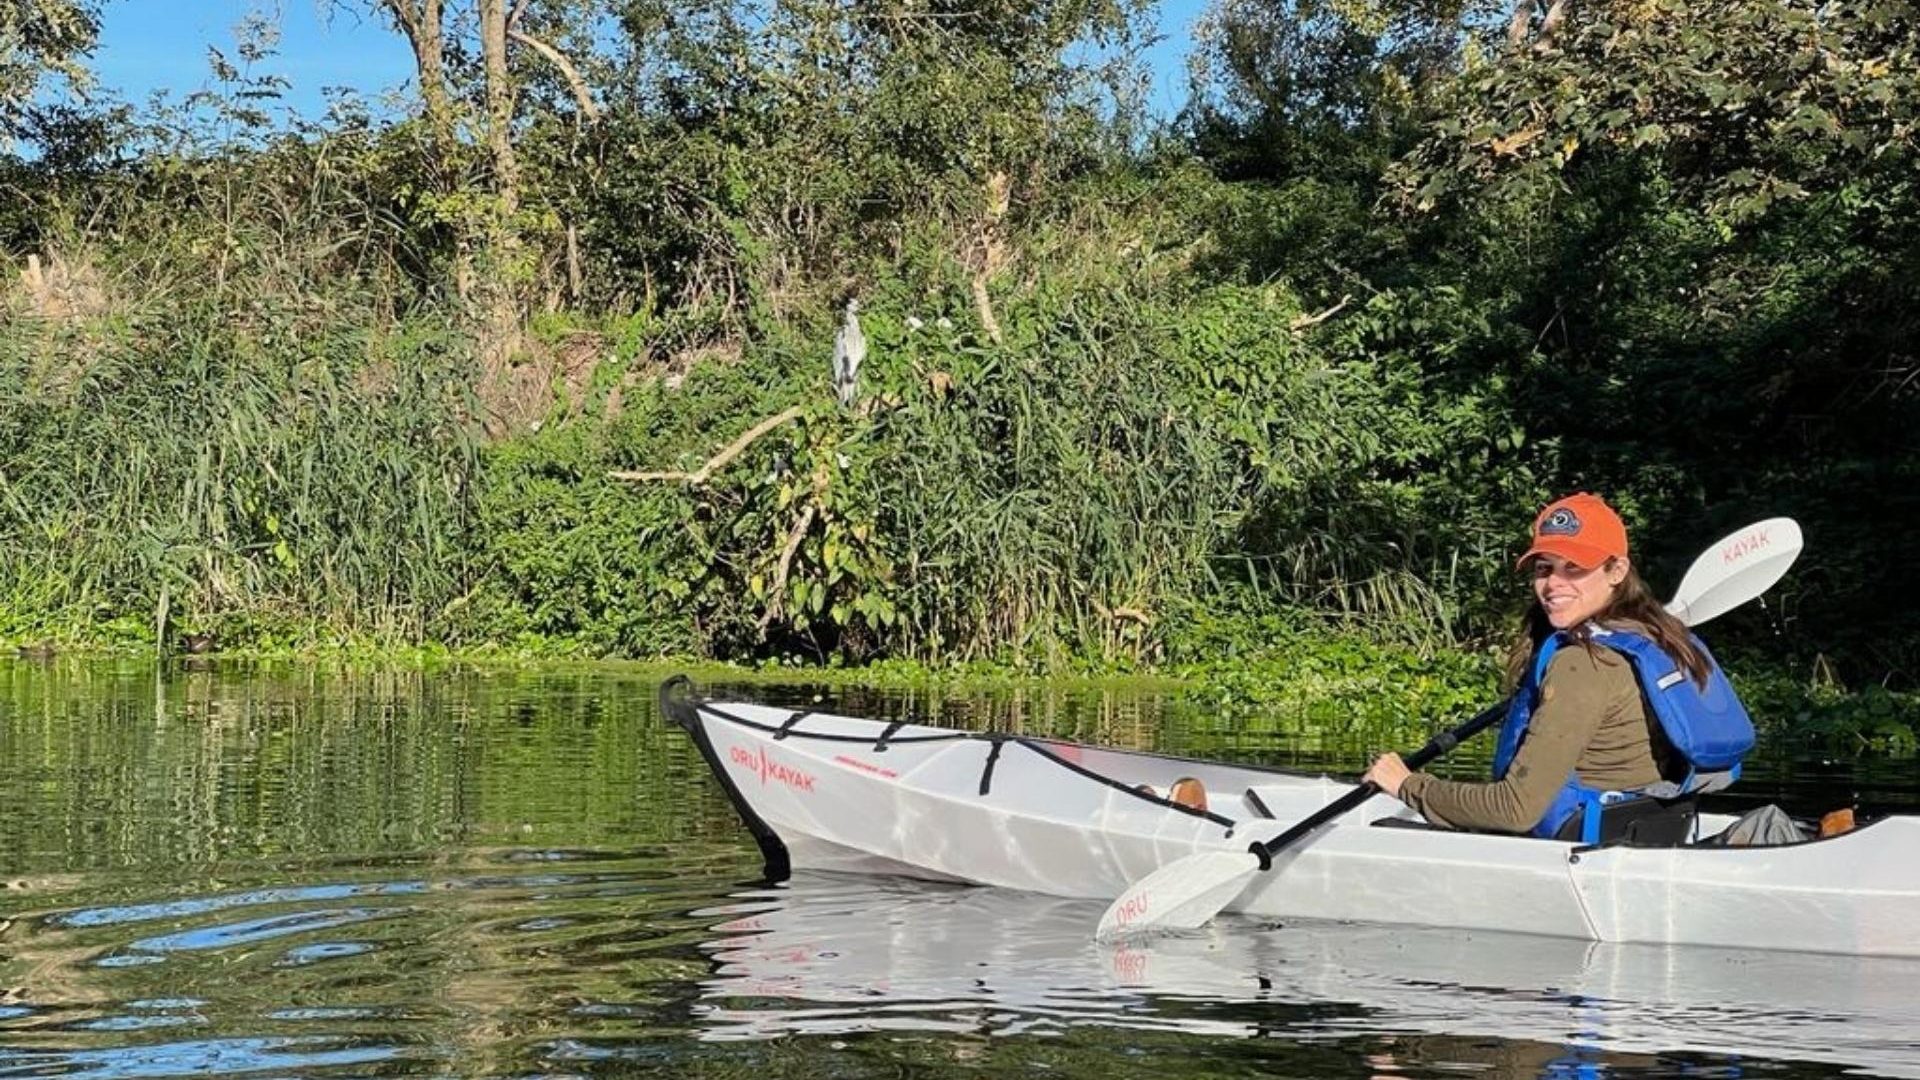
{"x": 1591, "y": 719}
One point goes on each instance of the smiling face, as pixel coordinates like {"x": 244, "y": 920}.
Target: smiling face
{"x": 1571, "y": 594}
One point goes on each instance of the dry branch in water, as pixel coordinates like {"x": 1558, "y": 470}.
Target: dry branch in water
{"x": 718, "y": 461}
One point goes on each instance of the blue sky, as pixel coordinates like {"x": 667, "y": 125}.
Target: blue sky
{"x": 148, "y": 45}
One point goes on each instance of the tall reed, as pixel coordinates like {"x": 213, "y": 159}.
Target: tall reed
{"x": 230, "y": 418}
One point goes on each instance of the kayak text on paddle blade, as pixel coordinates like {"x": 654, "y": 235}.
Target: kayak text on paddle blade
{"x": 1182, "y": 895}
{"x": 1737, "y": 568}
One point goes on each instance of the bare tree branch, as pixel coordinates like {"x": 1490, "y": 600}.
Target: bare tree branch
{"x": 1550, "y": 25}
{"x": 991, "y": 251}
{"x": 719, "y": 460}
{"x": 406, "y": 15}
{"x": 1520, "y": 23}
{"x": 1301, "y": 322}
{"x": 777, "y": 595}
{"x": 983, "y": 307}
{"x": 572, "y": 74}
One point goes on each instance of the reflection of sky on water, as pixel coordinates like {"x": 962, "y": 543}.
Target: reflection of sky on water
{"x": 186, "y": 1058}
{"x": 121, "y": 960}
{"x": 256, "y": 930}
{"x": 133, "y": 1023}
{"x": 203, "y": 905}
{"x": 326, "y": 950}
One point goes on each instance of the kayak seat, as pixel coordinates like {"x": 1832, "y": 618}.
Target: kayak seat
{"x": 1647, "y": 822}
{"x": 1642, "y": 822}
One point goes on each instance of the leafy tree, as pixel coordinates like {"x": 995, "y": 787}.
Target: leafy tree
{"x": 41, "y": 38}
{"x": 1318, "y": 87}
{"x": 1705, "y": 218}
{"x": 1302, "y": 106}
{"x": 798, "y": 154}
{"x": 472, "y": 63}
{"x": 1746, "y": 105}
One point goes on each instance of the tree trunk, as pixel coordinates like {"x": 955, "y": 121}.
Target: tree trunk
{"x": 1550, "y": 25}
{"x": 420, "y": 21}
{"x": 500, "y": 310}
{"x": 1520, "y": 25}
{"x": 493, "y": 51}
{"x": 423, "y": 24}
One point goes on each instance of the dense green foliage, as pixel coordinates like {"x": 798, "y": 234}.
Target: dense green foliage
{"x": 1300, "y": 363}
{"x": 1169, "y": 449}
{"x": 1709, "y": 217}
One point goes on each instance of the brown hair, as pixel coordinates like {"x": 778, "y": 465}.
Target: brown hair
{"x": 1632, "y": 607}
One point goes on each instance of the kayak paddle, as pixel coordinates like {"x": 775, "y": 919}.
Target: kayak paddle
{"x": 1190, "y": 891}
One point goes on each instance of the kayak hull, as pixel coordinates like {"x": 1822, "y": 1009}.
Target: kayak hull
{"x": 838, "y": 793}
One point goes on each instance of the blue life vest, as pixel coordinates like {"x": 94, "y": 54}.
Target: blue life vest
{"x": 1706, "y": 726}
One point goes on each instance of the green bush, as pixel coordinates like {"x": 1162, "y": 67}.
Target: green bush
{"x": 1832, "y": 719}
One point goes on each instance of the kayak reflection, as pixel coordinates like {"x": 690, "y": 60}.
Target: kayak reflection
{"x": 828, "y": 955}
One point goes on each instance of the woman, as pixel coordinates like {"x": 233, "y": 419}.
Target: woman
{"x": 1612, "y": 695}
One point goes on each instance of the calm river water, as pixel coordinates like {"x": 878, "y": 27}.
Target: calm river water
{"x": 525, "y": 872}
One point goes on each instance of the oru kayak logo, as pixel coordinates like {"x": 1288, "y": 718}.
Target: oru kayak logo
{"x": 769, "y": 769}
{"x": 1131, "y": 911}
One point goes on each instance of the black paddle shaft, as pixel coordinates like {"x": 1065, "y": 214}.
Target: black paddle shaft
{"x": 1438, "y": 745}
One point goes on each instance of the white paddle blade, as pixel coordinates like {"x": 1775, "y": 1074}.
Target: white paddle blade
{"x": 1182, "y": 895}
{"x": 1739, "y": 567}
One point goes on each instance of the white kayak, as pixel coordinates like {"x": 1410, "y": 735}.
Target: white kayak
{"x": 839, "y": 793}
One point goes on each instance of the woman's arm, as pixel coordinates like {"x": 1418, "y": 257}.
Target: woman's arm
{"x": 1574, "y": 699}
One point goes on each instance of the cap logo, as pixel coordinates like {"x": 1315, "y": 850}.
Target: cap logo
{"x": 1562, "y": 522}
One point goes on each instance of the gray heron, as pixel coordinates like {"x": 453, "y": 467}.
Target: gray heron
{"x": 849, "y": 348}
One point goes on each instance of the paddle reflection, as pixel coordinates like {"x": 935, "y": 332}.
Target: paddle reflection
{"x": 828, "y": 955}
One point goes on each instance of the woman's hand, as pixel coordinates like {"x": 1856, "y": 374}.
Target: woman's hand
{"x": 1387, "y": 773}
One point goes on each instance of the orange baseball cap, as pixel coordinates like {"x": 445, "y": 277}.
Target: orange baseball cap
{"x": 1581, "y": 529}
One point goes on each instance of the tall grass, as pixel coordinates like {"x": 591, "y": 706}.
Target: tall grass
{"x": 179, "y": 479}
{"x": 1063, "y": 498}
{"x": 226, "y": 419}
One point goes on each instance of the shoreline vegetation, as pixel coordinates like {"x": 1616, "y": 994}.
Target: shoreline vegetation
{"x": 871, "y": 342}
{"x": 1337, "y": 686}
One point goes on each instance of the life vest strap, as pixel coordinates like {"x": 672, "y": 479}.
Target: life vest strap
{"x": 1592, "y": 808}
